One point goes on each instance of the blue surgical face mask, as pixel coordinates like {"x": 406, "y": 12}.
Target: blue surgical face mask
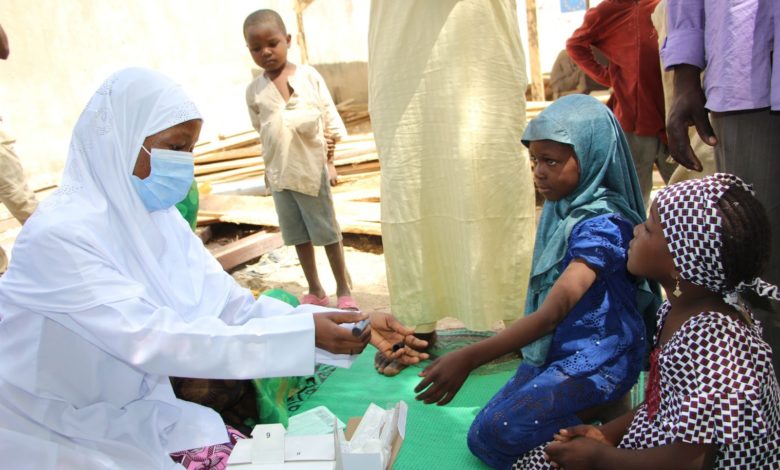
{"x": 170, "y": 179}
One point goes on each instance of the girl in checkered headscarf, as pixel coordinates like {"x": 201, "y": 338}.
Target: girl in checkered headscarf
{"x": 712, "y": 399}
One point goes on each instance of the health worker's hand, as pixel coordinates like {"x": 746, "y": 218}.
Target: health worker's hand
{"x": 328, "y": 335}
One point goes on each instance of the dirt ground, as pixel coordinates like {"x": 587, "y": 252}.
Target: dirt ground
{"x": 365, "y": 262}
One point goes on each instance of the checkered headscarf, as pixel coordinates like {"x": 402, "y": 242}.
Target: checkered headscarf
{"x": 692, "y": 227}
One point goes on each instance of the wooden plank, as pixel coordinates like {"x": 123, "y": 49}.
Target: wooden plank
{"x": 229, "y": 173}
{"x": 358, "y": 137}
{"x": 362, "y": 158}
{"x": 9, "y": 224}
{"x": 365, "y": 167}
{"x": 247, "y": 248}
{"x": 537, "y": 81}
{"x": 204, "y": 233}
{"x": 344, "y": 104}
{"x": 353, "y": 217}
{"x": 228, "y": 165}
{"x": 241, "y": 140}
{"x": 251, "y": 151}
{"x": 204, "y": 221}
{"x": 230, "y": 179}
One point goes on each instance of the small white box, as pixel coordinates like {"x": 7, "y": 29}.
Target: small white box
{"x": 372, "y": 460}
{"x": 268, "y": 444}
{"x": 271, "y": 449}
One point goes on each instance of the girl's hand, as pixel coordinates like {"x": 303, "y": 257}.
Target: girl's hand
{"x": 443, "y": 378}
{"x": 328, "y": 335}
{"x": 577, "y": 453}
{"x": 582, "y": 430}
{"x": 387, "y": 331}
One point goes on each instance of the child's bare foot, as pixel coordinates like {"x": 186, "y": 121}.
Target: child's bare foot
{"x": 390, "y": 367}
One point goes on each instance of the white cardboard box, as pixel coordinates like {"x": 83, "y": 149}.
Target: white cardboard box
{"x": 271, "y": 449}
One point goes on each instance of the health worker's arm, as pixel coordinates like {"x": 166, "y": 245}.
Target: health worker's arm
{"x": 159, "y": 341}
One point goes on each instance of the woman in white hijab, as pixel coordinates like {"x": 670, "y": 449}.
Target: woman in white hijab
{"x": 109, "y": 293}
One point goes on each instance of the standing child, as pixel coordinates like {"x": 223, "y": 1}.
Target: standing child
{"x": 623, "y": 31}
{"x": 583, "y": 332}
{"x": 298, "y": 124}
{"x": 712, "y": 398}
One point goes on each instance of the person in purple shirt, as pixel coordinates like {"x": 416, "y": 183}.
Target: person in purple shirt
{"x": 733, "y": 42}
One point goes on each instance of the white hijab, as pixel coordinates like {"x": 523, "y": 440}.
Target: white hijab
{"x": 93, "y": 241}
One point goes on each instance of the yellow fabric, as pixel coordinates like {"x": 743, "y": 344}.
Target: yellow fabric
{"x": 447, "y": 101}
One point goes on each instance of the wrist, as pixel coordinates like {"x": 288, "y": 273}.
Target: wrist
{"x": 601, "y": 455}
{"x": 687, "y": 77}
{"x": 469, "y": 358}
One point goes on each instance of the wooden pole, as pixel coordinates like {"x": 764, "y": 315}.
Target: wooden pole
{"x": 537, "y": 81}
{"x": 301, "y": 5}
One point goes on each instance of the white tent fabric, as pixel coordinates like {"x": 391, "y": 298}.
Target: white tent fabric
{"x": 447, "y": 101}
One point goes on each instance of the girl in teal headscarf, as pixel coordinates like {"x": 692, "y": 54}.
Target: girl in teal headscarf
{"x": 583, "y": 336}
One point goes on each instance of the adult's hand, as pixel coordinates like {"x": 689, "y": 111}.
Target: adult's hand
{"x": 387, "y": 331}
{"x": 687, "y": 110}
{"x": 443, "y": 378}
{"x": 328, "y": 335}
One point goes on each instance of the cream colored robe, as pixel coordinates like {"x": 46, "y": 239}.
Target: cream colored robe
{"x": 447, "y": 101}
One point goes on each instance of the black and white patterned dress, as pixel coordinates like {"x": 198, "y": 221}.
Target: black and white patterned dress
{"x": 717, "y": 386}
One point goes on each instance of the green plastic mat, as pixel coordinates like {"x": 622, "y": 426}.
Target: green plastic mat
{"x": 435, "y": 436}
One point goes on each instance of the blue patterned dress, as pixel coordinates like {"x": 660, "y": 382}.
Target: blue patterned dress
{"x": 595, "y": 356}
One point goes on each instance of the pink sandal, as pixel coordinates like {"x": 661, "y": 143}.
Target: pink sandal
{"x": 314, "y": 300}
{"x": 346, "y": 302}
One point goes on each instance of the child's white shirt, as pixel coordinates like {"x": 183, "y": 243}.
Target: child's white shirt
{"x": 292, "y": 132}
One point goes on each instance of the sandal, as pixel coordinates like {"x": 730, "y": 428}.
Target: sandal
{"x": 314, "y": 300}
{"x": 346, "y": 302}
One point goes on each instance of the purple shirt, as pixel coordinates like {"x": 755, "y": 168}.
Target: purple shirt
{"x": 733, "y": 41}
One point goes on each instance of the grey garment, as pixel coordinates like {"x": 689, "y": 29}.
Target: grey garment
{"x": 14, "y": 193}
{"x": 748, "y": 146}
{"x": 304, "y": 218}
{"x": 647, "y": 151}
{"x": 567, "y": 77}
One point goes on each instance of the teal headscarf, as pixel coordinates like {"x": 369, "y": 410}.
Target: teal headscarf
{"x": 608, "y": 184}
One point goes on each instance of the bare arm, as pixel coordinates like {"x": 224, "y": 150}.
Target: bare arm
{"x": 4, "y": 49}
{"x": 575, "y": 280}
{"x": 582, "y": 453}
{"x": 444, "y": 377}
